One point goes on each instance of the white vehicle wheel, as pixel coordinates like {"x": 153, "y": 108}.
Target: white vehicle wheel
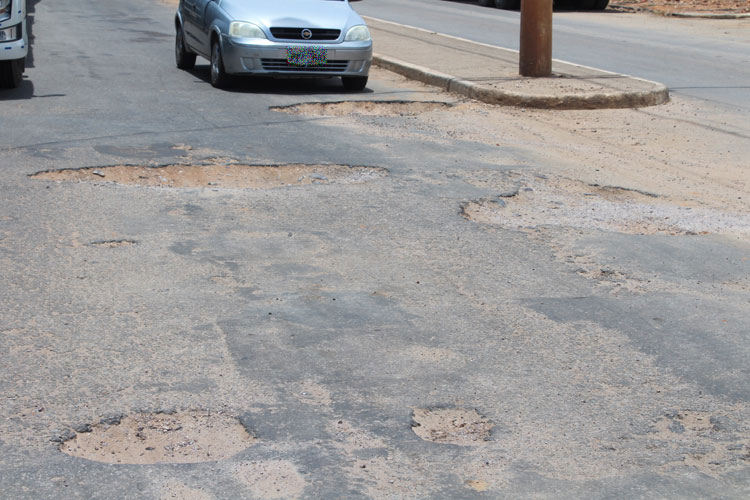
{"x": 11, "y": 73}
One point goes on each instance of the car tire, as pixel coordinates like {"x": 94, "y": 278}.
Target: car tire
{"x": 508, "y": 4}
{"x": 11, "y": 73}
{"x": 354, "y": 83}
{"x": 486, "y": 3}
{"x": 595, "y": 4}
{"x": 183, "y": 57}
{"x": 219, "y": 77}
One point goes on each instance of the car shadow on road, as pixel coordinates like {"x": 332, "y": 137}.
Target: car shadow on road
{"x": 30, "y": 12}
{"x": 24, "y": 91}
{"x": 278, "y": 86}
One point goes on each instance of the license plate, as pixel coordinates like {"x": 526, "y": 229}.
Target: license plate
{"x": 312, "y": 55}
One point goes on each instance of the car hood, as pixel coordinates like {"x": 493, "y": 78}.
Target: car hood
{"x": 326, "y": 14}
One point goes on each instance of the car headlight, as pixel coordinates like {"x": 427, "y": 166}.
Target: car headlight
{"x": 238, "y": 29}
{"x": 358, "y": 33}
{"x": 4, "y": 7}
{"x": 10, "y": 34}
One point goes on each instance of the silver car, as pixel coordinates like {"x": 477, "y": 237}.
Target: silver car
{"x": 282, "y": 38}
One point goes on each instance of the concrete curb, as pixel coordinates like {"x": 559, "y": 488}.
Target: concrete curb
{"x": 658, "y": 95}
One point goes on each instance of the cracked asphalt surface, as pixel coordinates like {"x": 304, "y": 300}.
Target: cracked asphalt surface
{"x": 327, "y": 317}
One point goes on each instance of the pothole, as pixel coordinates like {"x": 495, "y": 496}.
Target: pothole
{"x": 530, "y": 201}
{"x": 219, "y": 176}
{"x": 460, "y": 426}
{"x": 371, "y": 108}
{"x": 712, "y": 444}
{"x": 271, "y": 479}
{"x": 150, "y": 438}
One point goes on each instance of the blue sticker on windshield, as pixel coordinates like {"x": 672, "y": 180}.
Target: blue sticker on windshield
{"x": 313, "y": 55}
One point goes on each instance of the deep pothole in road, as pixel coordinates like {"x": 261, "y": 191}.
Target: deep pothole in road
{"x": 219, "y": 175}
{"x": 528, "y": 201}
{"x": 371, "y": 108}
{"x": 150, "y": 438}
{"x": 459, "y": 426}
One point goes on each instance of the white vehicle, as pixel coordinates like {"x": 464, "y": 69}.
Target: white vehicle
{"x": 14, "y": 42}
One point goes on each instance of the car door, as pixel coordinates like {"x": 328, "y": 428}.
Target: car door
{"x": 194, "y": 15}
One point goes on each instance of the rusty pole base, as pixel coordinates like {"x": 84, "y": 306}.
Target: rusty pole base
{"x": 536, "y": 38}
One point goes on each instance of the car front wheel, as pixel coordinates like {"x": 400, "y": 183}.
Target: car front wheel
{"x": 354, "y": 82}
{"x": 11, "y": 73}
{"x": 508, "y": 4}
{"x": 219, "y": 78}
{"x": 595, "y": 4}
{"x": 184, "y": 58}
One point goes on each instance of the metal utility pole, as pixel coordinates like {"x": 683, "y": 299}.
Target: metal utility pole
{"x": 536, "y": 38}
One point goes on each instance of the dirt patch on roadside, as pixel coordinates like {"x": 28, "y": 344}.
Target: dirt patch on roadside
{"x": 451, "y": 425}
{"x": 681, "y": 6}
{"x": 369, "y": 108}
{"x": 148, "y": 438}
{"x": 352, "y": 439}
{"x": 383, "y": 470}
{"x": 271, "y": 479}
{"x": 218, "y": 176}
{"x": 313, "y": 393}
{"x": 529, "y": 201}
{"x": 477, "y": 485}
{"x": 702, "y": 439}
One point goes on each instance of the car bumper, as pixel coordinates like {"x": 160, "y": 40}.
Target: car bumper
{"x": 270, "y": 59}
{"x": 16, "y": 49}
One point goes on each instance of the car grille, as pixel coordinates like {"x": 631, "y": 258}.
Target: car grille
{"x": 283, "y": 66}
{"x": 296, "y": 34}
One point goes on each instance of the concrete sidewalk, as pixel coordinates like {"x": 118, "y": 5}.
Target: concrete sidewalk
{"x": 490, "y": 74}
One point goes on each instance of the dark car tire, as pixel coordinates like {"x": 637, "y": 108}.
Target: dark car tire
{"x": 183, "y": 57}
{"x": 486, "y": 3}
{"x": 595, "y": 4}
{"x": 508, "y": 4}
{"x": 11, "y": 73}
{"x": 354, "y": 83}
{"x": 219, "y": 77}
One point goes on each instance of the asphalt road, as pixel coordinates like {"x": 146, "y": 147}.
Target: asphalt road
{"x": 706, "y": 59}
{"x": 324, "y": 316}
